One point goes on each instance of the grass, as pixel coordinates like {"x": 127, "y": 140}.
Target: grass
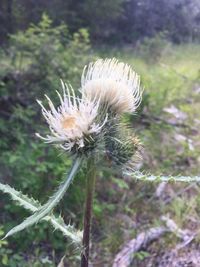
{"x": 166, "y": 78}
{"x": 171, "y": 79}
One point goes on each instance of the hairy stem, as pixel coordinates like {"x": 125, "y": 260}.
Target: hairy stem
{"x": 90, "y": 184}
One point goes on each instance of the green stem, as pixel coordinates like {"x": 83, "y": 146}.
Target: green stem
{"x": 90, "y": 185}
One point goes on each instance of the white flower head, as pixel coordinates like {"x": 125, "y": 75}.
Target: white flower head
{"x": 114, "y": 83}
{"x": 73, "y": 124}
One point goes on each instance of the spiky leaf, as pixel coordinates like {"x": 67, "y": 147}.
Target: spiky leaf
{"x": 44, "y": 210}
{"x": 33, "y": 205}
{"x": 162, "y": 178}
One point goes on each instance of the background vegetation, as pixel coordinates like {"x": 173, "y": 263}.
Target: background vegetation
{"x": 43, "y": 41}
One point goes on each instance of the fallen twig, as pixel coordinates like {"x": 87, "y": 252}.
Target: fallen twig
{"x": 160, "y": 189}
{"x": 172, "y": 226}
{"x": 185, "y": 235}
{"x": 180, "y": 192}
{"x": 125, "y": 257}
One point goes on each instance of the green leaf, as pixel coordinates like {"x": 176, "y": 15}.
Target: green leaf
{"x": 161, "y": 178}
{"x": 33, "y": 205}
{"x": 41, "y": 211}
{"x": 5, "y": 259}
{"x": 24, "y": 201}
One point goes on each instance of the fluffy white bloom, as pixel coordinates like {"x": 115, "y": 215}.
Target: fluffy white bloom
{"x": 114, "y": 83}
{"x": 72, "y": 124}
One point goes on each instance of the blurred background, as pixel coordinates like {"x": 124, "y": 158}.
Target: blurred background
{"x": 42, "y": 41}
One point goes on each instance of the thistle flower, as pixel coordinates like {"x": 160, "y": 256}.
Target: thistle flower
{"x": 114, "y": 83}
{"x": 73, "y": 124}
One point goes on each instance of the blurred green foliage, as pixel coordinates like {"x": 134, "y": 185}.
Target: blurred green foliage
{"x": 108, "y": 21}
{"x": 37, "y": 57}
{"x": 31, "y": 67}
{"x": 152, "y": 49}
